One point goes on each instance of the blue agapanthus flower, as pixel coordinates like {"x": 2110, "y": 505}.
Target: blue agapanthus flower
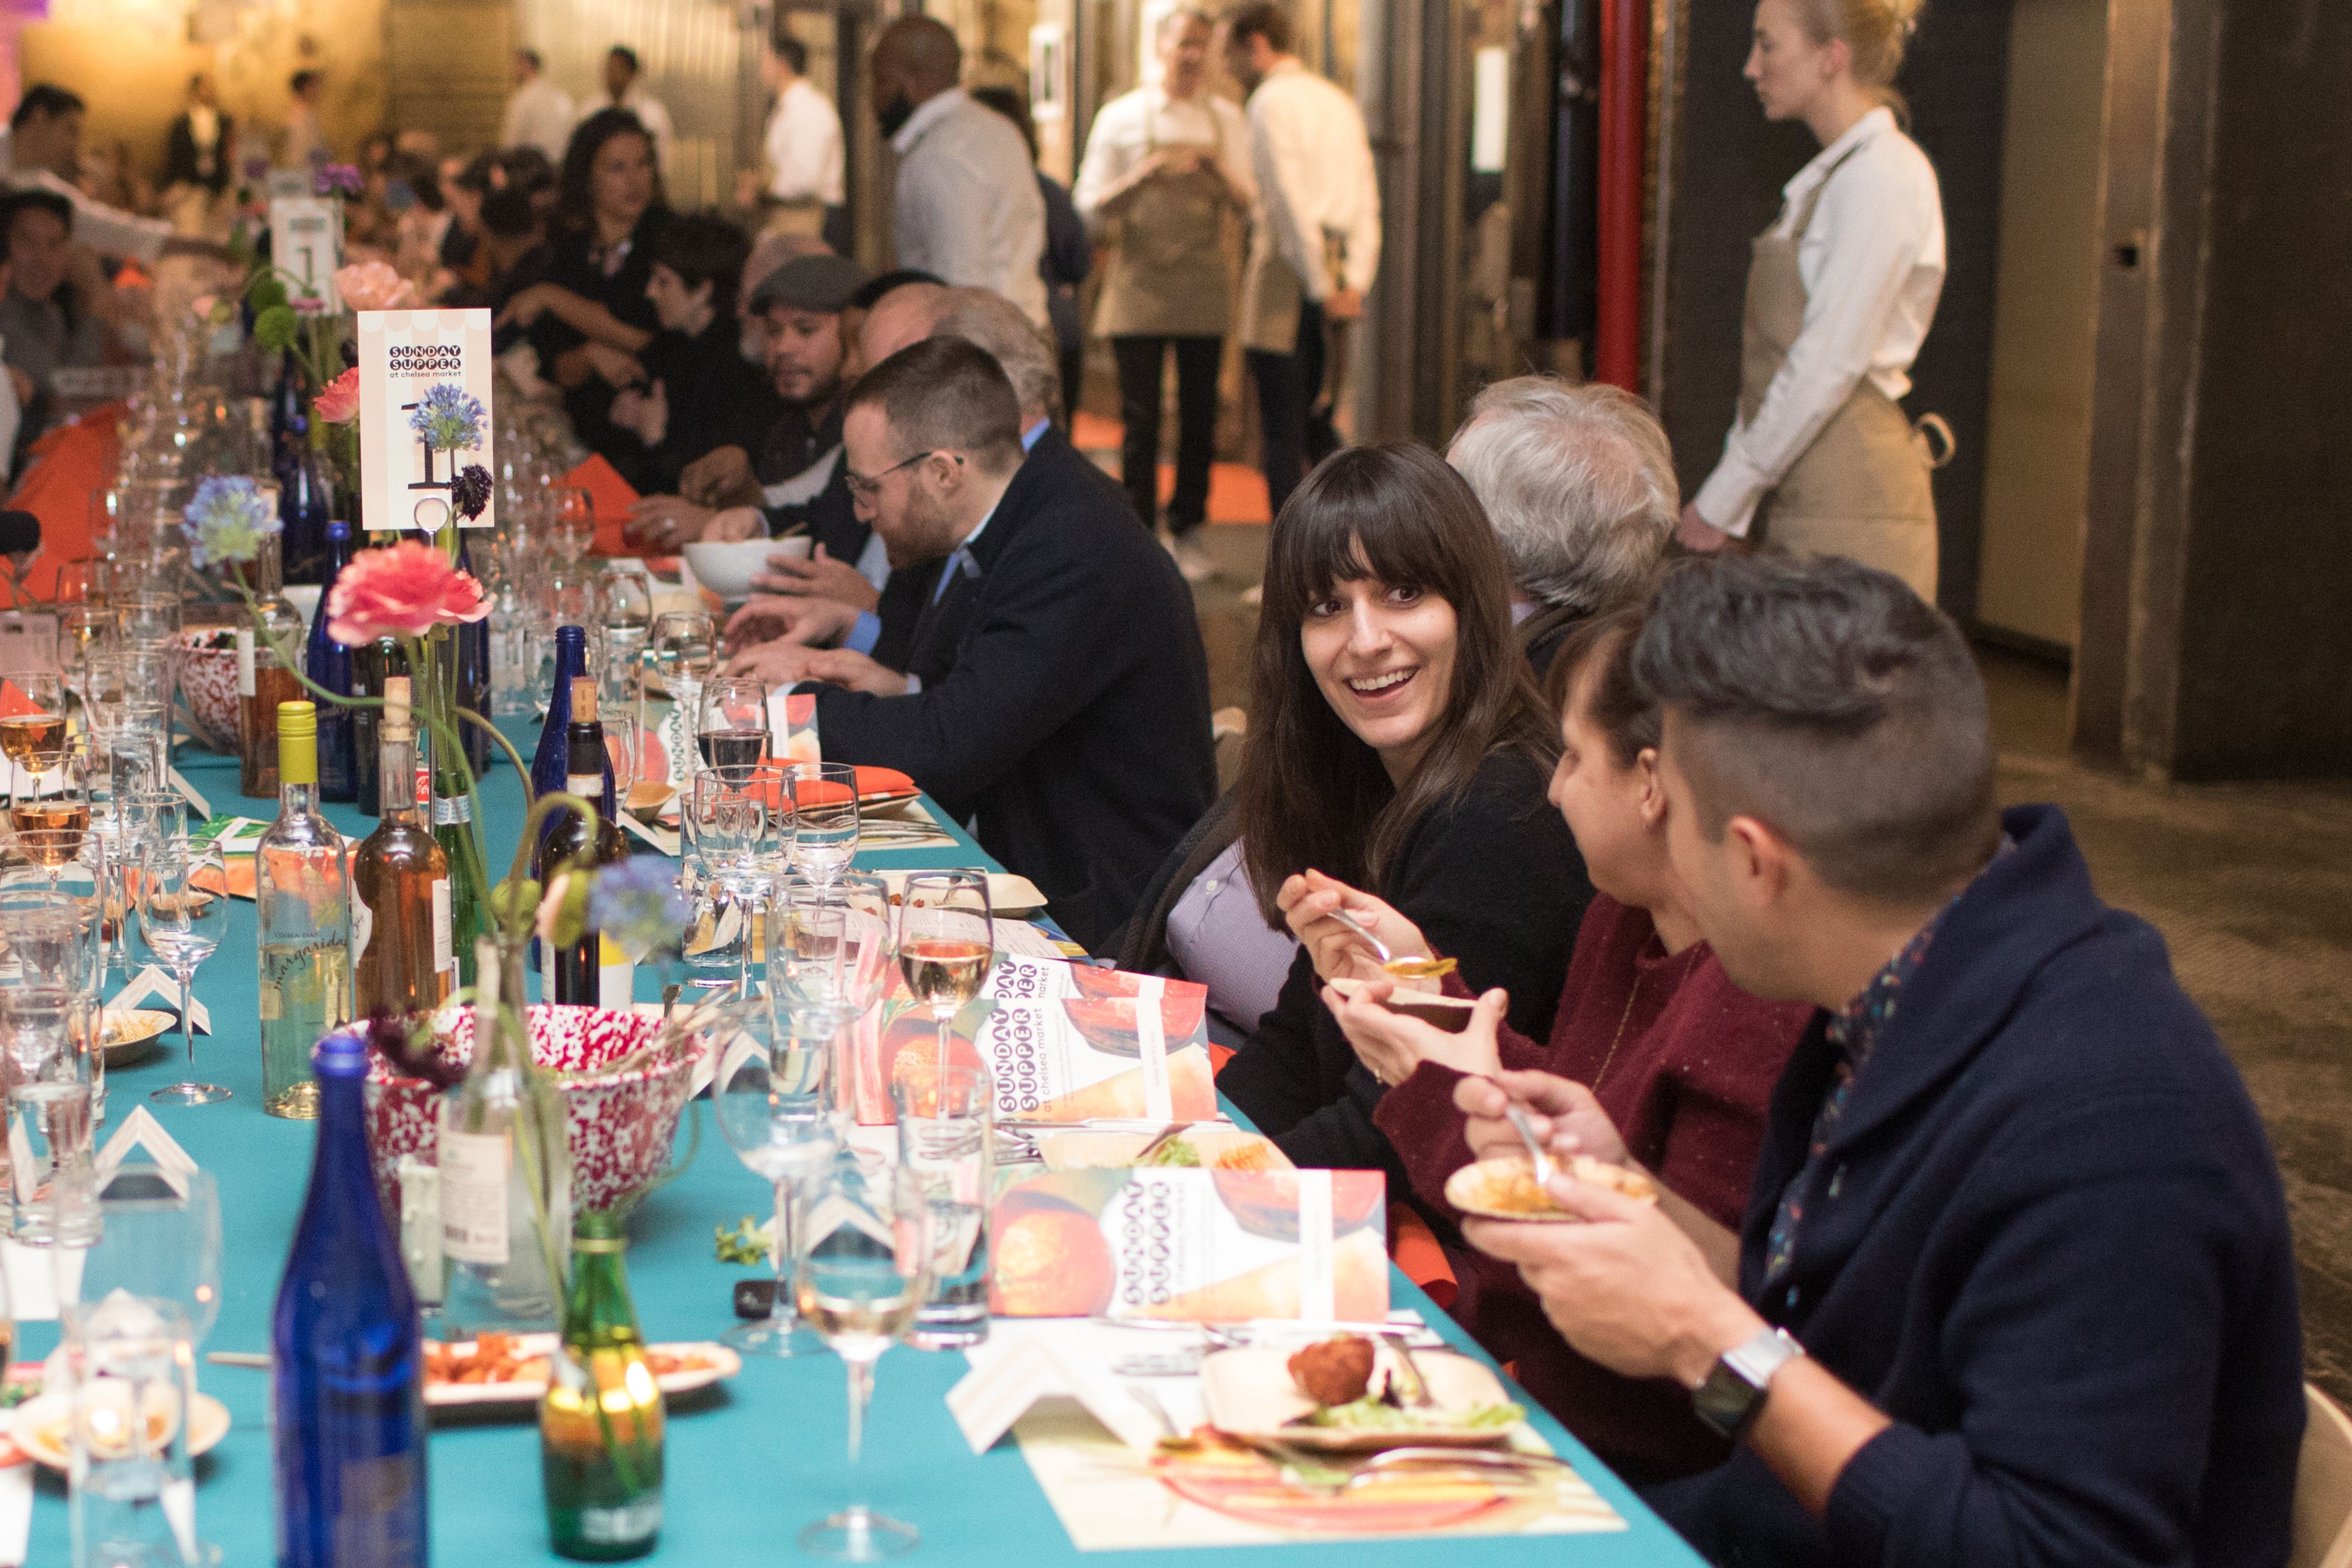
{"x": 227, "y": 520}
{"x": 638, "y": 903}
{"x": 447, "y": 419}
{"x": 333, "y": 178}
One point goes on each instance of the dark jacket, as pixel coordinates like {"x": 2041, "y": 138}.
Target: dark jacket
{"x": 790, "y": 444}
{"x": 1067, "y": 257}
{"x": 716, "y": 399}
{"x": 572, "y": 264}
{"x": 1071, "y": 723}
{"x": 183, "y": 165}
{"x": 1492, "y": 878}
{"x": 2055, "y": 1252}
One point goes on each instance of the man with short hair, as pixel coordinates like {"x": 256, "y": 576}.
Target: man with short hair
{"x": 965, "y": 204}
{"x": 196, "y": 144}
{"x": 804, "y": 141}
{"x": 623, "y": 91}
{"x": 304, "y": 143}
{"x": 540, "y": 113}
{"x": 2016, "y": 1283}
{"x": 1578, "y": 484}
{"x": 1315, "y": 241}
{"x": 1065, "y": 714}
{"x": 40, "y": 151}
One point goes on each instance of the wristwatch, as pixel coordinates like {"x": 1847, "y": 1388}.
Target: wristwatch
{"x": 1734, "y": 1390}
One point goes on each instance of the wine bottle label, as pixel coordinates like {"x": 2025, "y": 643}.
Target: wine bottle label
{"x": 473, "y": 1196}
{"x": 450, "y": 809}
{"x": 272, "y": 1008}
{"x": 245, "y": 662}
{"x": 363, "y": 928}
{"x": 442, "y": 957}
{"x": 621, "y": 1525}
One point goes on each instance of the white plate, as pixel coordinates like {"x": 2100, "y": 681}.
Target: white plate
{"x": 1008, "y": 894}
{"x": 723, "y": 1364}
{"x": 39, "y": 1424}
{"x": 1248, "y": 1393}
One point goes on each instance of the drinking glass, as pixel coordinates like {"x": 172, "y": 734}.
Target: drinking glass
{"x": 52, "y": 819}
{"x": 570, "y": 520}
{"x": 625, "y": 610}
{"x": 182, "y": 886}
{"x": 730, "y": 725}
{"x": 33, "y": 739}
{"x": 945, "y": 1129}
{"x": 161, "y": 1241}
{"x": 724, "y": 822}
{"x": 775, "y": 1108}
{"x": 945, "y": 942}
{"x": 149, "y": 616}
{"x": 129, "y": 1375}
{"x": 684, "y": 647}
{"x": 824, "y": 798}
{"x": 829, "y": 948}
{"x": 864, "y": 1272}
{"x": 53, "y": 1195}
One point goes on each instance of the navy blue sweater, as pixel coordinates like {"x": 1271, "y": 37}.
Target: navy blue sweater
{"x": 2055, "y": 1253}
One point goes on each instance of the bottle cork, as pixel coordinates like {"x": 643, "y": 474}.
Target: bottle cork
{"x": 584, "y": 699}
{"x": 397, "y": 723}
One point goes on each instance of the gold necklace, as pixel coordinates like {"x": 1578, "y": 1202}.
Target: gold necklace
{"x": 1618, "y": 1038}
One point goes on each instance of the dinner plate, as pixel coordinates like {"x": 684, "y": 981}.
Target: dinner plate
{"x": 38, "y": 1426}
{"x": 1504, "y": 1187}
{"x": 1249, "y": 1393}
{"x": 135, "y": 1034}
{"x": 1008, "y": 894}
{"x": 720, "y": 1363}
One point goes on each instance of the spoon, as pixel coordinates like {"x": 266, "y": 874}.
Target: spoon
{"x": 1525, "y": 1130}
{"x": 1379, "y": 948}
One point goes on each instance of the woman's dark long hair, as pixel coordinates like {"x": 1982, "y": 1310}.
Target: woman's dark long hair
{"x": 575, "y": 202}
{"x": 1310, "y": 793}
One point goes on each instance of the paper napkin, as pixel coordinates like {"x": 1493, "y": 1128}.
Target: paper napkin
{"x": 151, "y": 987}
{"x": 140, "y": 1130}
{"x": 16, "y": 1511}
{"x": 1000, "y": 1388}
{"x": 190, "y": 793}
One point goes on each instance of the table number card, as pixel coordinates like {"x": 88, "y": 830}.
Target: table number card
{"x": 424, "y": 415}
{"x": 306, "y": 246}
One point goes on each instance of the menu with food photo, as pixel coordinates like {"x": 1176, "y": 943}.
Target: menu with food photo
{"x": 1066, "y": 1042}
{"x": 1192, "y": 1245}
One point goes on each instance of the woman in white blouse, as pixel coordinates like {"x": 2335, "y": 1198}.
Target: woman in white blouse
{"x": 1165, "y": 167}
{"x": 1841, "y": 291}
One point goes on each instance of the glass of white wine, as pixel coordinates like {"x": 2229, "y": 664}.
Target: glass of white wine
{"x": 34, "y": 738}
{"x": 863, "y": 1273}
{"x": 946, "y": 941}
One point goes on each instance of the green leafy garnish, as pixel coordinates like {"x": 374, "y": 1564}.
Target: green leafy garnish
{"x": 1372, "y": 1413}
{"x": 1175, "y": 1151}
{"x": 747, "y": 1243}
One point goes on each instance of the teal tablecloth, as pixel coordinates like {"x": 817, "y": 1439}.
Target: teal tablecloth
{"x": 745, "y": 1471}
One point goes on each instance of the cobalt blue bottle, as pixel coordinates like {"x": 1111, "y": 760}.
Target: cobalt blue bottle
{"x": 550, "y": 764}
{"x": 328, "y": 663}
{"x": 347, "y": 1379}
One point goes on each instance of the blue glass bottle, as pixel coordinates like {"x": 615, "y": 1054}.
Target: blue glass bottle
{"x": 551, "y": 763}
{"x": 474, "y": 677}
{"x": 347, "y": 1380}
{"x": 304, "y": 496}
{"x": 328, "y": 663}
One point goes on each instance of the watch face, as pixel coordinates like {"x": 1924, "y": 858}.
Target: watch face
{"x": 1724, "y": 1399}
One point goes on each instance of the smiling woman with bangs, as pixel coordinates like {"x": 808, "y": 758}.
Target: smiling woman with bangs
{"x": 1398, "y": 744}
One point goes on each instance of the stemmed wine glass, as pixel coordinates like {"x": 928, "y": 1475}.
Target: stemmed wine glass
{"x": 725, "y": 820}
{"x": 683, "y": 646}
{"x": 730, "y": 725}
{"x": 824, "y": 798}
{"x": 158, "y": 1242}
{"x": 32, "y": 740}
{"x": 182, "y": 885}
{"x": 776, "y": 1111}
{"x": 829, "y": 948}
{"x": 570, "y": 520}
{"x": 945, "y": 942}
{"x": 51, "y": 823}
{"x": 864, "y": 1272}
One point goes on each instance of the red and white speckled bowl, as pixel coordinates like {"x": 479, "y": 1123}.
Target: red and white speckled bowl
{"x": 621, "y": 1122}
{"x": 208, "y": 689}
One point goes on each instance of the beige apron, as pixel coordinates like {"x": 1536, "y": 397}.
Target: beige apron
{"x": 1861, "y": 489}
{"x": 1167, "y": 271}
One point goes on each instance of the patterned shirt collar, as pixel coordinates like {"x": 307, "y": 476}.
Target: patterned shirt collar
{"x": 1855, "y": 1028}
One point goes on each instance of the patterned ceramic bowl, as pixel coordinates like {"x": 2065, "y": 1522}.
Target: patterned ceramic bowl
{"x": 208, "y": 688}
{"x": 621, "y": 1121}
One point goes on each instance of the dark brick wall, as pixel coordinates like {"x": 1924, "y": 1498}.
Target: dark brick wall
{"x": 1727, "y": 191}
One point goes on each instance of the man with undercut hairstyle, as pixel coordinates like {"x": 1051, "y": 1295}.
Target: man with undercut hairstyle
{"x": 1056, "y": 696}
{"x": 2015, "y": 1283}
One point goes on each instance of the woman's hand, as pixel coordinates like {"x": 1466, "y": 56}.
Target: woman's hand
{"x": 1306, "y": 901}
{"x": 614, "y": 366}
{"x": 1566, "y": 1118}
{"x": 526, "y": 306}
{"x": 1392, "y": 1044}
{"x": 659, "y": 521}
{"x": 1695, "y": 533}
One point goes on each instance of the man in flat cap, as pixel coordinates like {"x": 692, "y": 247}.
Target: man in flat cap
{"x": 796, "y": 484}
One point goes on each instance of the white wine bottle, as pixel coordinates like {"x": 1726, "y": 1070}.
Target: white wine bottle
{"x": 302, "y": 901}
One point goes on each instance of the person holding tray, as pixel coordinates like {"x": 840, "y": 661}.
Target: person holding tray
{"x": 1670, "y": 1065}
{"x": 1398, "y": 742}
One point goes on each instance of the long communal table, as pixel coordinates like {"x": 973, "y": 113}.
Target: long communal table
{"x": 746, "y": 1471}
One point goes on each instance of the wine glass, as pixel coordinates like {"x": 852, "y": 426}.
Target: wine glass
{"x": 829, "y": 948}
{"x": 725, "y": 820}
{"x": 945, "y": 942}
{"x": 684, "y": 647}
{"x": 824, "y": 798}
{"x": 182, "y": 885}
{"x": 730, "y": 725}
{"x": 49, "y": 824}
{"x": 621, "y": 742}
{"x": 570, "y": 520}
{"x": 160, "y": 1244}
{"x": 864, "y": 1271}
{"x": 776, "y": 1112}
{"x": 33, "y": 739}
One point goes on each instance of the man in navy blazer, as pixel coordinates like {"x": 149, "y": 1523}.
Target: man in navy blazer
{"x": 2015, "y": 1283}
{"x": 1056, "y": 694}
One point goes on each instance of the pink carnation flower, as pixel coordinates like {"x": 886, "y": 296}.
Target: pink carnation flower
{"x": 403, "y": 591}
{"x": 338, "y": 402}
{"x": 374, "y": 286}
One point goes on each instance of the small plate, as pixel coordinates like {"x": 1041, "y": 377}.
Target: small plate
{"x": 1504, "y": 1187}
{"x": 719, "y": 1365}
{"x": 1008, "y": 894}
{"x": 1451, "y": 1014}
{"x": 134, "y": 1036}
{"x": 38, "y": 1426}
{"x": 1248, "y": 1393}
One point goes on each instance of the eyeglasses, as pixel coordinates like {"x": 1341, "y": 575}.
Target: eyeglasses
{"x": 862, "y": 487}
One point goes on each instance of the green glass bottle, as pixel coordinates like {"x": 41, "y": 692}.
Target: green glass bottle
{"x": 601, "y": 1421}
{"x": 453, "y": 819}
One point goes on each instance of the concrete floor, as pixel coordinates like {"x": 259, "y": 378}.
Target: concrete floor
{"x": 2251, "y": 885}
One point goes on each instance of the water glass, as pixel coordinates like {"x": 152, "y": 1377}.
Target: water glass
{"x": 945, "y": 1122}
{"x": 131, "y": 1385}
{"x": 52, "y": 1177}
{"x": 829, "y": 950}
{"x": 824, "y": 798}
{"x": 773, "y": 1098}
{"x": 182, "y": 887}
{"x": 159, "y": 1240}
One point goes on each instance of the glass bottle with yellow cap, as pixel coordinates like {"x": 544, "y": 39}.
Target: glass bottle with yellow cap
{"x": 302, "y": 897}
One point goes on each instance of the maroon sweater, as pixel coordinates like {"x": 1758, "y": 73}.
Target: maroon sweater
{"x": 1684, "y": 1061}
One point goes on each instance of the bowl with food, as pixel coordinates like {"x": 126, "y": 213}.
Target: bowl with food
{"x": 1506, "y": 1187}
{"x": 727, "y": 568}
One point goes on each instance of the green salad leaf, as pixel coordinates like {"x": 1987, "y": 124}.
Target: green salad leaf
{"x": 1175, "y": 1151}
{"x": 746, "y": 1243}
{"x": 1371, "y": 1414}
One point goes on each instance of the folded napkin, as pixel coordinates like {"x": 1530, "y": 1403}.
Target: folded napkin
{"x": 153, "y": 987}
{"x": 16, "y": 1508}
